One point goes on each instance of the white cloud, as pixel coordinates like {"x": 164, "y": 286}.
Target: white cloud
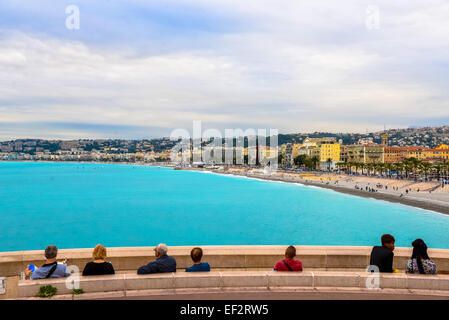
{"x": 287, "y": 72}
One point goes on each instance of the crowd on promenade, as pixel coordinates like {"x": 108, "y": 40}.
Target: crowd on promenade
{"x": 381, "y": 261}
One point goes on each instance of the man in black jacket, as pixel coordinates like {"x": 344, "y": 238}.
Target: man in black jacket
{"x": 382, "y": 256}
{"x": 163, "y": 262}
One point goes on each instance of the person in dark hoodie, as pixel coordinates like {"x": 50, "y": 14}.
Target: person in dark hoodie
{"x": 163, "y": 262}
{"x": 382, "y": 256}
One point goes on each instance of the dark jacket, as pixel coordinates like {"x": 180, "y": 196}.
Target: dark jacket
{"x": 96, "y": 269}
{"x": 382, "y": 257}
{"x": 162, "y": 264}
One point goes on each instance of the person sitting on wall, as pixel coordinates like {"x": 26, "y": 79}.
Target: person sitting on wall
{"x": 51, "y": 268}
{"x": 163, "y": 262}
{"x": 382, "y": 256}
{"x": 420, "y": 261}
{"x": 99, "y": 266}
{"x": 289, "y": 264}
{"x": 196, "y": 254}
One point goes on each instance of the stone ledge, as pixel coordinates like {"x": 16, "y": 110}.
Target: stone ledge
{"x": 222, "y": 257}
{"x": 236, "y": 281}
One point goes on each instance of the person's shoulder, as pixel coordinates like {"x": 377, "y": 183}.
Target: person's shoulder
{"x": 61, "y": 266}
{"x": 205, "y": 265}
{"x": 278, "y": 263}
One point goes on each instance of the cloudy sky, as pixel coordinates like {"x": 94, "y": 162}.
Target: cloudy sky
{"x": 138, "y": 69}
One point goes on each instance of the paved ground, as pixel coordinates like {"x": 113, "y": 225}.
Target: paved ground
{"x": 302, "y": 295}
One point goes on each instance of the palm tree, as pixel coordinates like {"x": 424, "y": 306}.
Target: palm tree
{"x": 315, "y": 160}
{"x": 425, "y": 167}
{"x": 408, "y": 166}
{"x": 435, "y": 170}
{"x": 363, "y": 166}
{"x": 388, "y": 167}
{"x": 399, "y": 167}
{"x": 329, "y": 162}
{"x": 380, "y": 167}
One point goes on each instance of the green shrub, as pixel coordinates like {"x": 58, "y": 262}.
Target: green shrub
{"x": 77, "y": 291}
{"x": 47, "y": 291}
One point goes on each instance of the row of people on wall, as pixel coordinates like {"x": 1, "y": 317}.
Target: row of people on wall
{"x": 381, "y": 257}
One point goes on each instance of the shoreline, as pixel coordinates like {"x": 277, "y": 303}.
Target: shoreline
{"x": 437, "y": 206}
{"x": 426, "y": 204}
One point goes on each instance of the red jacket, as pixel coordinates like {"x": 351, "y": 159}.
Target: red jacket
{"x": 296, "y": 265}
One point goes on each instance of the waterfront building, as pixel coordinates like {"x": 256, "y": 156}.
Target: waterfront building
{"x": 324, "y": 148}
{"x": 395, "y": 154}
{"x": 329, "y": 151}
{"x": 296, "y": 150}
{"x": 365, "y": 153}
{"x": 440, "y": 153}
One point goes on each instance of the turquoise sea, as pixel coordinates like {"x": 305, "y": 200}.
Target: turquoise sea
{"x": 77, "y": 205}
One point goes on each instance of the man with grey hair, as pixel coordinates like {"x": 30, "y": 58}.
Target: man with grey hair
{"x": 51, "y": 268}
{"x": 163, "y": 262}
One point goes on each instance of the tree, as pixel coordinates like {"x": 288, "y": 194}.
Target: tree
{"x": 329, "y": 162}
{"x": 342, "y": 165}
{"x": 280, "y": 158}
{"x": 425, "y": 167}
{"x": 315, "y": 160}
{"x": 308, "y": 163}
{"x": 299, "y": 160}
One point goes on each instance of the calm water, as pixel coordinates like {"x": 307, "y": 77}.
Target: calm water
{"x": 80, "y": 205}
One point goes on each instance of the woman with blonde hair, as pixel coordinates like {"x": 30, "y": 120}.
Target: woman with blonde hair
{"x": 99, "y": 266}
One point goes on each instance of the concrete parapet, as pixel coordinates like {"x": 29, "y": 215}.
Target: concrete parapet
{"x": 223, "y": 257}
{"x": 166, "y": 283}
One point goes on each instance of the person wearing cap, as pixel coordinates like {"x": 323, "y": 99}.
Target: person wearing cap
{"x": 51, "y": 268}
{"x": 163, "y": 262}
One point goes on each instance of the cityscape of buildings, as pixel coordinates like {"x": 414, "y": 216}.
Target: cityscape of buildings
{"x": 322, "y": 151}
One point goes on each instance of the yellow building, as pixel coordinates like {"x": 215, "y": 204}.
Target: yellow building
{"x": 364, "y": 153}
{"x": 267, "y": 152}
{"x": 440, "y": 153}
{"x": 330, "y": 151}
{"x": 415, "y": 152}
{"x": 296, "y": 150}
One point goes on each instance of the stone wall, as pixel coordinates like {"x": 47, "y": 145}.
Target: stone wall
{"x": 223, "y": 258}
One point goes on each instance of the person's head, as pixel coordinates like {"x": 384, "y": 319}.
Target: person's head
{"x": 51, "y": 252}
{"x": 196, "y": 254}
{"x": 290, "y": 252}
{"x": 388, "y": 241}
{"x": 419, "y": 249}
{"x": 160, "y": 250}
{"x": 99, "y": 252}
{"x": 419, "y": 252}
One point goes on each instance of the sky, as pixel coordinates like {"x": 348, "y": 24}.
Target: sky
{"x": 140, "y": 69}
